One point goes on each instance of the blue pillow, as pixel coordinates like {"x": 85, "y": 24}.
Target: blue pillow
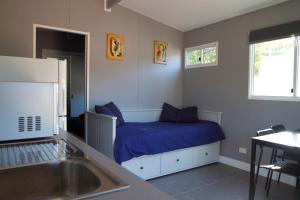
{"x": 187, "y": 115}
{"x": 116, "y": 111}
{"x": 168, "y": 113}
{"x": 104, "y": 110}
{"x": 112, "y": 110}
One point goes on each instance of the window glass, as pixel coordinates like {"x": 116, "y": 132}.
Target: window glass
{"x": 204, "y": 55}
{"x": 274, "y": 68}
{"x": 194, "y": 57}
{"x": 209, "y": 55}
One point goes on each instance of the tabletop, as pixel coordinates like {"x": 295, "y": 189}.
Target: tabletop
{"x": 286, "y": 138}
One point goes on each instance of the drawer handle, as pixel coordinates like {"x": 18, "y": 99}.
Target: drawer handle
{"x": 142, "y": 168}
{"x": 177, "y": 160}
{"x": 206, "y": 153}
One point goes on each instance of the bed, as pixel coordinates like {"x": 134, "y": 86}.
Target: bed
{"x": 151, "y": 149}
{"x": 148, "y": 138}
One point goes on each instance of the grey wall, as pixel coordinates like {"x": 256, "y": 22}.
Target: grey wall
{"x": 225, "y": 87}
{"x": 133, "y": 83}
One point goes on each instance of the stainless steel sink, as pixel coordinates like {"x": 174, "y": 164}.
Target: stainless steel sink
{"x": 70, "y": 178}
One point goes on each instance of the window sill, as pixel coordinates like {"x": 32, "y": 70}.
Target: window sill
{"x": 273, "y": 98}
{"x": 200, "y": 66}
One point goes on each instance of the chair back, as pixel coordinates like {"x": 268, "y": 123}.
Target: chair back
{"x": 264, "y": 132}
{"x": 278, "y": 128}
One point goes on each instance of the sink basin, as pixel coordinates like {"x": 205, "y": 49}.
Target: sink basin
{"x": 62, "y": 179}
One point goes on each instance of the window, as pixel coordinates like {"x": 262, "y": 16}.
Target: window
{"x": 201, "y": 56}
{"x": 274, "y": 69}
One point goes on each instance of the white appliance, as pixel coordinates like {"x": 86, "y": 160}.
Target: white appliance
{"x": 28, "y": 98}
{"x": 62, "y": 94}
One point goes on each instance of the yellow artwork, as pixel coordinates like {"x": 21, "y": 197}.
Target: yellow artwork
{"x": 115, "y": 46}
{"x": 160, "y": 52}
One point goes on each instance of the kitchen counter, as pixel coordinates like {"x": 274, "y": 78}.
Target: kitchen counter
{"x": 138, "y": 190}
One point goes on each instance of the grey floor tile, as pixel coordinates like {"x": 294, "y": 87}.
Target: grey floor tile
{"x": 182, "y": 197}
{"x": 175, "y": 184}
{"x": 211, "y": 192}
{"x": 219, "y": 182}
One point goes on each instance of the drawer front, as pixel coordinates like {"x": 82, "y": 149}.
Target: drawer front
{"x": 212, "y": 152}
{"x": 206, "y": 154}
{"x": 198, "y": 156}
{"x": 176, "y": 161}
{"x": 145, "y": 167}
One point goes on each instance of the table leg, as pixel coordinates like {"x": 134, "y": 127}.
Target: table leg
{"x": 252, "y": 171}
{"x": 297, "y": 180}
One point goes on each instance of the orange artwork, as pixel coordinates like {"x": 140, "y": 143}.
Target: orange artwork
{"x": 115, "y": 46}
{"x": 160, "y": 52}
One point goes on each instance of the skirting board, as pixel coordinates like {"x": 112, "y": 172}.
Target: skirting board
{"x": 290, "y": 180}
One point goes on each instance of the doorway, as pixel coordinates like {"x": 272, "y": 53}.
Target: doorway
{"x": 71, "y": 49}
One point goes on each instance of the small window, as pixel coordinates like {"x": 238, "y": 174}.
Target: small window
{"x": 274, "y": 69}
{"x": 202, "y": 56}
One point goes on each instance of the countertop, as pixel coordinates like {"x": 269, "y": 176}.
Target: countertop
{"x": 139, "y": 189}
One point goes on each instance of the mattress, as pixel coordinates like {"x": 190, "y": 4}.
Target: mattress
{"x": 138, "y": 139}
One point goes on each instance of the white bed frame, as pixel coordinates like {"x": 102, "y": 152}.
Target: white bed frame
{"x": 102, "y": 133}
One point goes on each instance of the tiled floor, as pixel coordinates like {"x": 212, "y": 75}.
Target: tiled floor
{"x": 219, "y": 182}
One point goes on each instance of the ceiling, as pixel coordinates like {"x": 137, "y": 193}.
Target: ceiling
{"x": 185, "y": 15}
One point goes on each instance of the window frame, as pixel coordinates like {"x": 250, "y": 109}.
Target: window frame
{"x": 296, "y": 77}
{"x": 212, "y": 44}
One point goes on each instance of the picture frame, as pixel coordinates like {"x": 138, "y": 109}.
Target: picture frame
{"x": 160, "y": 52}
{"x": 115, "y": 46}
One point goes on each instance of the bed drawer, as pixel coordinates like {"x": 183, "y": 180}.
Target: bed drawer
{"x": 145, "y": 167}
{"x": 206, "y": 154}
{"x": 176, "y": 161}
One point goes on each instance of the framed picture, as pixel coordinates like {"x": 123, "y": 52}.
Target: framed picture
{"x": 115, "y": 47}
{"x": 160, "y": 52}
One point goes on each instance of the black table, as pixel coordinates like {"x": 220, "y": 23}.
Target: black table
{"x": 288, "y": 141}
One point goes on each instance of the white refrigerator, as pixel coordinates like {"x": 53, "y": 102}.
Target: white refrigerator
{"x": 62, "y": 94}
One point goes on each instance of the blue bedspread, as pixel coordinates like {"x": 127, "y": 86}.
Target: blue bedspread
{"x": 138, "y": 139}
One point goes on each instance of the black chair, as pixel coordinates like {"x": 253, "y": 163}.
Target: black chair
{"x": 280, "y": 163}
{"x": 292, "y": 169}
{"x": 276, "y": 160}
{"x": 277, "y": 128}
{"x": 259, "y": 166}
